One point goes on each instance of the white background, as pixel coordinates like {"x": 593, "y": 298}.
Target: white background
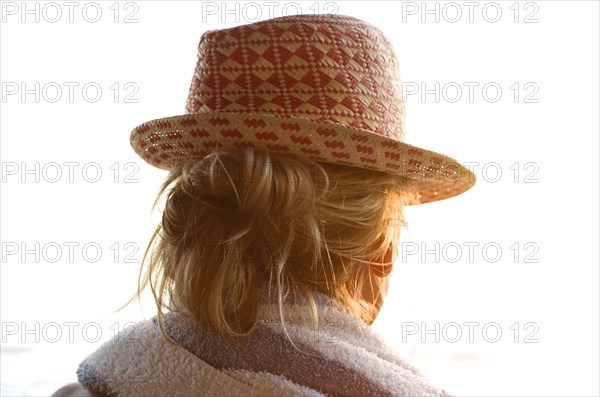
{"x": 547, "y": 284}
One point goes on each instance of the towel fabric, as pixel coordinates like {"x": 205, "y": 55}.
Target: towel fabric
{"x": 340, "y": 356}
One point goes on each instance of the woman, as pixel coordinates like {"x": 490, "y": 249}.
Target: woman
{"x": 288, "y": 174}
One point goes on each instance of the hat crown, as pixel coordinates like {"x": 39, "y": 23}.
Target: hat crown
{"x": 327, "y": 68}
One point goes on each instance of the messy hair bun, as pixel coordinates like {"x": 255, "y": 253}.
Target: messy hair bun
{"x": 237, "y": 221}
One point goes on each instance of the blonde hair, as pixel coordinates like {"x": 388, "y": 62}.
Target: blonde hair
{"x": 236, "y": 221}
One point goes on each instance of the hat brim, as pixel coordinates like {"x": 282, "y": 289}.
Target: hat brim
{"x": 166, "y": 141}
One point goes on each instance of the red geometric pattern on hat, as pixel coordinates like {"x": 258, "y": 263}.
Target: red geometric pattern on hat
{"x": 321, "y": 87}
{"x": 327, "y": 68}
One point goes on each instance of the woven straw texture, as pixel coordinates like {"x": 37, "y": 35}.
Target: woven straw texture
{"x": 322, "y": 87}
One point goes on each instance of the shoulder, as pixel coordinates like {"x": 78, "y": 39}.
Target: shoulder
{"x": 76, "y": 390}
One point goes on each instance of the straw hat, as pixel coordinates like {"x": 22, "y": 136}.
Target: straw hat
{"x": 322, "y": 87}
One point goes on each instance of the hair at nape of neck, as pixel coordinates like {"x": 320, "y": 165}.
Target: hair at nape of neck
{"x": 236, "y": 221}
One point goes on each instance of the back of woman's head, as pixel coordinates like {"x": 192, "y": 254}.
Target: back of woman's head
{"x": 239, "y": 222}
